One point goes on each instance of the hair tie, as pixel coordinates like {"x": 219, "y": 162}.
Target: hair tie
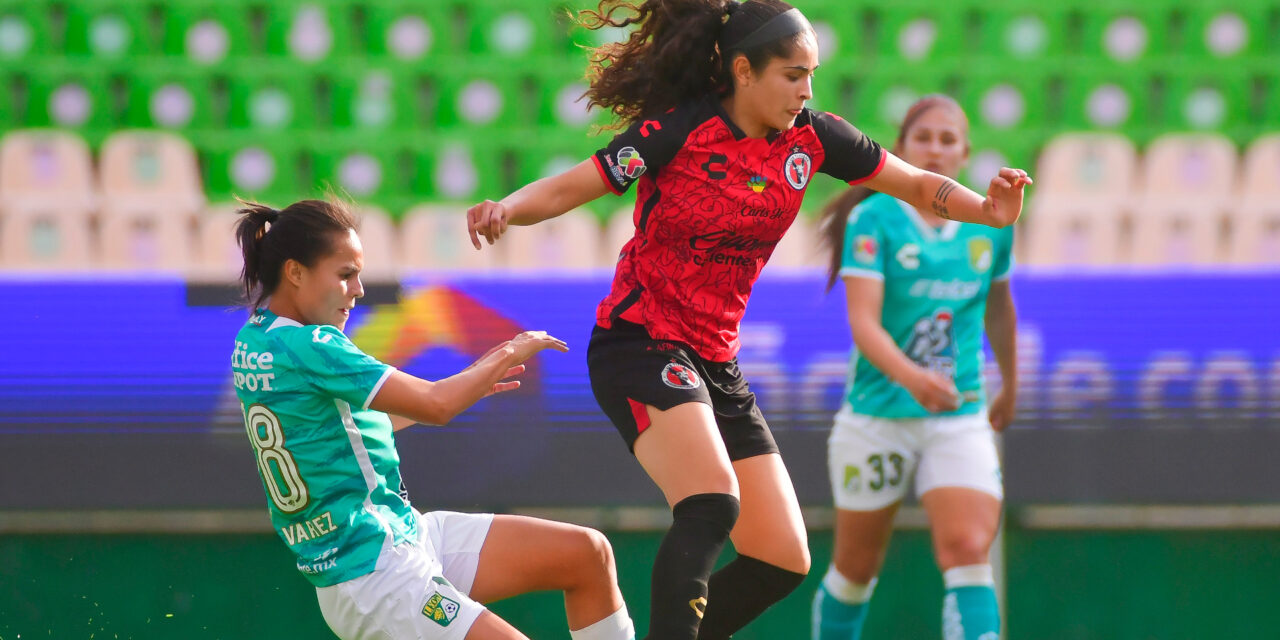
{"x": 732, "y": 7}
{"x": 272, "y": 215}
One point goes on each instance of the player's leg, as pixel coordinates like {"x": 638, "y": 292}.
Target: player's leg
{"x": 841, "y": 602}
{"x": 490, "y": 627}
{"x": 870, "y": 461}
{"x": 960, "y": 490}
{"x": 654, "y": 394}
{"x": 682, "y": 452}
{"x": 773, "y": 551}
{"x": 522, "y": 554}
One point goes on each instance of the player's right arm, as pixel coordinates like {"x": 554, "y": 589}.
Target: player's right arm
{"x": 865, "y": 298}
{"x": 535, "y": 202}
{"x": 438, "y": 402}
{"x": 645, "y": 146}
{"x": 863, "y": 265}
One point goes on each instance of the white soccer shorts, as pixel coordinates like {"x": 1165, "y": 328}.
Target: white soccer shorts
{"x": 872, "y": 460}
{"x": 417, "y": 591}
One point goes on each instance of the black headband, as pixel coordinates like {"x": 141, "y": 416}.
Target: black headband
{"x": 787, "y": 23}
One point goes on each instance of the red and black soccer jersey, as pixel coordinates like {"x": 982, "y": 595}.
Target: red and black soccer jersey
{"x": 711, "y": 206}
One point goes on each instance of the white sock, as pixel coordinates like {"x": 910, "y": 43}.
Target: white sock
{"x": 845, "y": 591}
{"x": 974, "y": 575}
{"x": 617, "y": 626}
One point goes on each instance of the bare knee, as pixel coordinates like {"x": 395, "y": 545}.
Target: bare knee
{"x": 858, "y": 568}
{"x": 591, "y": 557}
{"x": 963, "y": 548}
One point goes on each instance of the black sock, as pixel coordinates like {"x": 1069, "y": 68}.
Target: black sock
{"x": 742, "y": 590}
{"x": 688, "y": 553}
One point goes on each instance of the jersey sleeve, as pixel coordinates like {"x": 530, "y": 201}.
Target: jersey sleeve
{"x": 1002, "y": 266}
{"x": 337, "y": 367}
{"x": 645, "y": 147}
{"x": 863, "y": 253}
{"x": 849, "y": 155}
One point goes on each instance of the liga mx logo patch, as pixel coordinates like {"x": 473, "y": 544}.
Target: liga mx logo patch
{"x": 678, "y": 376}
{"x": 797, "y": 169}
{"x": 630, "y": 162}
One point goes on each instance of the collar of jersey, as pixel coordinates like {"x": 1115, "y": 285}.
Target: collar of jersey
{"x": 946, "y": 232}
{"x": 279, "y": 321}
{"x": 738, "y": 134}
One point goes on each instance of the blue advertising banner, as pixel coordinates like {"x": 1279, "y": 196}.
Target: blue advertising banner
{"x": 130, "y": 380}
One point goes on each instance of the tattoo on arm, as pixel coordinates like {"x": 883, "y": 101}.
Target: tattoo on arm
{"x": 940, "y": 198}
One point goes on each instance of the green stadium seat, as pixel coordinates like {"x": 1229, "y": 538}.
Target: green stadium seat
{"x": 25, "y": 31}
{"x": 1126, "y": 36}
{"x": 270, "y": 98}
{"x": 881, "y": 99}
{"x": 410, "y": 31}
{"x": 366, "y": 170}
{"x": 561, "y": 102}
{"x": 309, "y": 32}
{"x": 251, "y": 165}
{"x": 373, "y": 98}
{"x": 1108, "y": 98}
{"x": 1215, "y": 34}
{"x": 109, "y": 30}
{"x": 1028, "y": 34}
{"x": 207, "y": 33}
{"x": 992, "y": 149}
{"x": 170, "y": 97}
{"x": 71, "y": 96}
{"x": 515, "y": 29}
{"x": 1012, "y": 101}
{"x": 483, "y": 96}
{"x": 840, "y": 32}
{"x": 1210, "y": 101}
{"x": 924, "y": 33}
{"x": 455, "y": 166}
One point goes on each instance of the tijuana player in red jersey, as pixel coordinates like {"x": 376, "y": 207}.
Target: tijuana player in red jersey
{"x": 712, "y": 94}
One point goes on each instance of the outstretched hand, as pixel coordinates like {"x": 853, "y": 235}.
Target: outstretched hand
{"x": 488, "y": 219}
{"x": 523, "y": 346}
{"x": 1004, "y": 195}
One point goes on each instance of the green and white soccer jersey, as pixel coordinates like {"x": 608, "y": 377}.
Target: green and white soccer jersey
{"x": 936, "y": 282}
{"x": 328, "y": 463}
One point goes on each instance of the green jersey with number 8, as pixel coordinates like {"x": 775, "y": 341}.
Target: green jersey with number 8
{"x": 328, "y": 463}
{"x": 936, "y": 282}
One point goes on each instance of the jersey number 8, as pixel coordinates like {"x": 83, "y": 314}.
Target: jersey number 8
{"x": 268, "y": 441}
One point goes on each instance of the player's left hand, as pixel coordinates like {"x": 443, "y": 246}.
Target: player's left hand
{"x": 1004, "y": 195}
{"x": 507, "y": 385}
{"x": 1002, "y": 410}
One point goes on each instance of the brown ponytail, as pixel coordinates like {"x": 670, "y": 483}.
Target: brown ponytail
{"x": 678, "y": 53}
{"x": 303, "y": 231}
{"x": 835, "y": 214}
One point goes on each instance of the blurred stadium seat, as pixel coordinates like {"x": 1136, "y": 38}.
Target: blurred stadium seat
{"x": 1255, "y": 221}
{"x": 378, "y": 237}
{"x": 434, "y": 238}
{"x": 569, "y": 241}
{"x": 1187, "y": 187}
{"x": 151, "y": 193}
{"x": 1083, "y": 193}
{"x": 47, "y": 196}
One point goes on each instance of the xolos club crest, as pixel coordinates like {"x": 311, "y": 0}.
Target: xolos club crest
{"x": 797, "y": 168}
{"x": 678, "y": 376}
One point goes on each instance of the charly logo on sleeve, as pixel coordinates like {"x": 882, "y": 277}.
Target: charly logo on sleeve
{"x": 797, "y": 168}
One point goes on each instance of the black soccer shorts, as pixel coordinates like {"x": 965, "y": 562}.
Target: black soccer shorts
{"x": 630, "y": 369}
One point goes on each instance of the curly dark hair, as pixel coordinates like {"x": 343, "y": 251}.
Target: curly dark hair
{"x": 679, "y": 51}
